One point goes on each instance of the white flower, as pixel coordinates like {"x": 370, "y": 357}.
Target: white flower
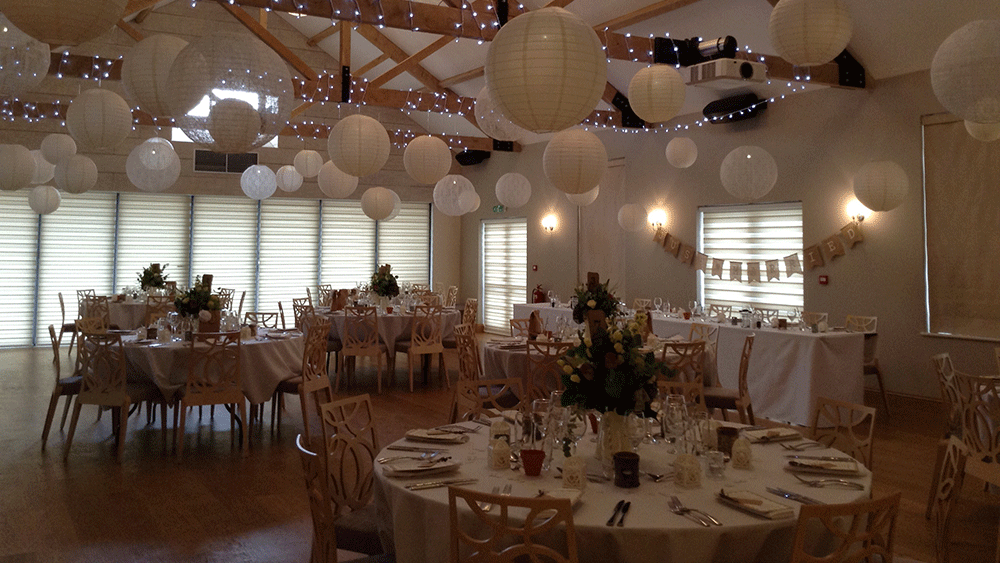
{"x": 204, "y": 315}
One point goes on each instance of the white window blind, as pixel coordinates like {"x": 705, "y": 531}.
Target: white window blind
{"x": 153, "y": 228}
{"x": 746, "y": 233}
{"x": 224, "y": 244}
{"x": 289, "y": 250}
{"x": 348, "y": 244}
{"x": 505, "y": 271}
{"x": 404, "y": 242}
{"x": 18, "y": 243}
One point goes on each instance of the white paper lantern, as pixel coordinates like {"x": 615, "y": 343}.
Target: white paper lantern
{"x": 234, "y": 126}
{"x": 681, "y": 152}
{"x": 656, "y": 93}
{"x": 378, "y": 203}
{"x": 468, "y": 201}
{"x": 149, "y": 179}
{"x": 493, "y": 122}
{"x": 99, "y": 119}
{"x": 881, "y": 185}
{"x": 64, "y": 22}
{"x": 146, "y": 72}
{"x": 358, "y": 145}
{"x": 584, "y": 199}
{"x": 396, "y": 207}
{"x": 427, "y": 159}
{"x": 748, "y": 173}
{"x": 289, "y": 180}
{"x": 963, "y": 72}
{"x": 308, "y": 163}
{"x": 985, "y": 132}
{"x": 632, "y": 217}
{"x": 44, "y": 170}
{"x": 76, "y": 174}
{"x": 513, "y": 190}
{"x": 546, "y": 70}
{"x": 575, "y": 161}
{"x": 809, "y": 32}
{"x": 258, "y": 182}
{"x": 335, "y": 183}
{"x": 447, "y": 192}
{"x": 44, "y": 199}
{"x": 58, "y": 146}
{"x": 156, "y": 153}
{"x": 24, "y": 60}
{"x": 17, "y": 167}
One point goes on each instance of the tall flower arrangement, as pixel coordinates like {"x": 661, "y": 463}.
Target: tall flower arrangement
{"x": 383, "y": 282}
{"x": 594, "y": 297}
{"x": 196, "y": 299}
{"x": 152, "y": 276}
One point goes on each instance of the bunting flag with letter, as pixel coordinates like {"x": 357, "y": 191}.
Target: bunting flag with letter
{"x": 773, "y": 271}
{"x": 753, "y": 272}
{"x": 852, "y": 234}
{"x": 672, "y": 244}
{"x": 735, "y": 271}
{"x": 700, "y": 261}
{"x": 717, "y": 267}
{"x": 814, "y": 258}
{"x": 687, "y": 254}
{"x": 792, "y": 265}
{"x": 833, "y": 246}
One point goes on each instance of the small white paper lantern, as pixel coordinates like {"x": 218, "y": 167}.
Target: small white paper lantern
{"x": 258, "y": 182}
{"x": 748, "y": 173}
{"x": 234, "y": 126}
{"x": 575, "y": 161}
{"x": 64, "y": 22}
{"x": 546, "y": 70}
{"x": 584, "y": 199}
{"x": 378, "y": 203}
{"x": 76, "y": 174}
{"x": 632, "y": 217}
{"x": 149, "y": 179}
{"x": 963, "y": 72}
{"x": 493, "y": 122}
{"x": 396, "y": 207}
{"x": 427, "y": 159}
{"x": 24, "y": 60}
{"x": 447, "y": 192}
{"x": 146, "y": 72}
{"x": 656, "y": 93}
{"x": 58, "y": 146}
{"x": 681, "y": 152}
{"x": 156, "y": 153}
{"x": 99, "y": 119}
{"x": 513, "y": 190}
{"x": 308, "y": 163}
{"x": 985, "y": 132}
{"x": 358, "y": 145}
{"x": 881, "y": 185}
{"x": 17, "y": 167}
{"x": 289, "y": 180}
{"x": 809, "y": 32}
{"x": 44, "y": 170}
{"x": 469, "y": 201}
{"x": 44, "y": 199}
{"x": 335, "y": 183}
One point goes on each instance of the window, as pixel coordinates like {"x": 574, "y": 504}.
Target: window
{"x": 224, "y": 244}
{"x": 348, "y": 244}
{"x": 505, "y": 271}
{"x": 152, "y": 228}
{"x": 289, "y": 255}
{"x": 747, "y": 233}
{"x": 18, "y": 244}
{"x": 403, "y": 243}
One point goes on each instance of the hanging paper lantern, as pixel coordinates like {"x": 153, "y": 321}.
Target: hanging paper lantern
{"x": 377, "y": 203}
{"x": 493, "y": 122}
{"x": 58, "y": 146}
{"x": 289, "y": 180}
{"x": 335, "y": 183}
{"x": 985, "y": 132}
{"x": 681, "y": 152}
{"x": 307, "y": 163}
{"x": 809, "y": 32}
{"x": 632, "y": 217}
{"x": 575, "y": 161}
{"x": 584, "y": 199}
{"x": 146, "y": 72}
{"x": 963, "y": 72}
{"x": 99, "y": 119}
{"x": 748, "y": 173}
{"x": 427, "y": 159}
{"x": 513, "y": 190}
{"x": 656, "y": 93}
{"x": 358, "y": 145}
{"x": 546, "y": 70}
{"x": 234, "y": 126}
{"x": 17, "y": 167}
{"x": 24, "y": 60}
{"x": 258, "y": 182}
{"x": 150, "y": 179}
{"x": 44, "y": 170}
{"x": 396, "y": 207}
{"x": 76, "y": 174}
{"x": 881, "y": 185}
{"x": 156, "y": 153}
{"x": 44, "y": 199}
{"x": 447, "y": 192}
{"x": 64, "y": 22}
{"x": 468, "y": 201}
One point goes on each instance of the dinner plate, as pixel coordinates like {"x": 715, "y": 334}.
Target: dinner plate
{"x": 755, "y": 504}
{"x": 413, "y": 467}
{"x": 574, "y": 495}
{"x": 436, "y": 436}
{"x": 824, "y": 467}
{"x": 766, "y": 435}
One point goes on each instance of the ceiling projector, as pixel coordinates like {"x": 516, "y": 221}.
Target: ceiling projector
{"x": 726, "y": 74}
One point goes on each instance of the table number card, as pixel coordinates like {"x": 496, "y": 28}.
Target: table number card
{"x": 687, "y": 471}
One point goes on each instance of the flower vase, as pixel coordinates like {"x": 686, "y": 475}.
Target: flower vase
{"x": 383, "y": 302}
{"x": 613, "y": 435}
{"x": 211, "y": 325}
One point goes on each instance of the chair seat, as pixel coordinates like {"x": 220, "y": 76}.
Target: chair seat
{"x": 334, "y": 345}
{"x": 142, "y": 391}
{"x": 70, "y": 385}
{"x": 720, "y": 394}
{"x": 68, "y": 327}
{"x": 507, "y": 400}
{"x": 357, "y": 531}
{"x": 405, "y": 345}
{"x": 290, "y": 385}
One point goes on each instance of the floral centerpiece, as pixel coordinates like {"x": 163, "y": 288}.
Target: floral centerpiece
{"x": 594, "y": 297}
{"x": 198, "y": 301}
{"x": 152, "y": 277}
{"x": 384, "y": 283}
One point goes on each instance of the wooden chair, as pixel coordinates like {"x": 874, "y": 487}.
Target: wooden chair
{"x": 857, "y": 323}
{"x": 261, "y": 319}
{"x": 474, "y": 398}
{"x": 810, "y": 318}
{"x": 81, "y": 296}
{"x": 65, "y": 327}
{"x": 325, "y": 295}
{"x": 544, "y": 373}
{"x": 471, "y": 311}
{"x": 948, "y": 478}
{"x": 846, "y": 426}
{"x": 301, "y": 307}
{"x": 430, "y": 299}
{"x": 239, "y": 310}
{"x": 68, "y": 387}
{"x": 710, "y": 334}
{"x": 97, "y": 306}
{"x": 425, "y": 340}
{"x": 641, "y": 304}
{"x": 714, "y": 310}
{"x": 312, "y": 382}
{"x": 309, "y": 297}
{"x": 226, "y": 297}
{"x": 863, "y": 530}
{"x": 951, "y": 396}
{"x": 519, "y": 327}
{"x": 767, "y": 315}
{"x": 451, "y": 296}
{"x": 687, "y": 360}
{"x": 734, "y": 399}
{"x": 360, "y": 339}
{"x": 507, "y": 537}
{"x": 281, "y": 314}
{"x": 214, "y": 378}
{"x": 469, "y": 366}
{"x": 869, "y": 326}
{"x": 421, "y": 288}
{"x": 157, "y": 307}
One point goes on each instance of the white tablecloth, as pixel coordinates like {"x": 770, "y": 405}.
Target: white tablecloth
{"x": 127, "y": 316}
{"x": 396, "y": 326}
{"x": 500, "y": 363}
{"x": 418, "y": 524}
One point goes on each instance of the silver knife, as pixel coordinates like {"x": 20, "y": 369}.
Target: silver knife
{"x": 436, "y": 484}
{"x": 820, "y": 457}
{"x": 793, "y": 496}
{"x": 415, "y": 449}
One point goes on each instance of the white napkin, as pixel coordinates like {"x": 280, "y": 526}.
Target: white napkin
{"x": 426, "y": 435}
{"x": 773, "y": 435}
{"x": 822, "y": 326}
{"x": 755, "y": 504}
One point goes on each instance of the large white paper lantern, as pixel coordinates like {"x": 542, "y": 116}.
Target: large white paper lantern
{"x": 153, "y": 179}
{"x": 64, "y": 22}
{"x": 632, "y": 217}
{"x": 146, "y": 72}
{"x": 99, "y": 119}
{"x": 584, "y": 199}
{"x": 17, "y": 167}
{"x": 448, "y": 191}
{"x": 681, "y": 152}
{"x": 234, "y": 126}
{"x": 334, "y": 182}
{"x": 546, "y": 70}
{"x": 289, "y": 180}
{"x": 963, "y": 72}
{"x": 24, "y": 60}
{"x": 513, "y": 190}
{"x": 377, "y": 203}
{"x": 881, "y": 185}
{"x": 493, "y": 122}
{"x": 76, "y": 174}
{"x": 397, "y": 206}
{"x": 575, "y": 160}
{"x": 985, "y": 132}
{"x": 358, "y": 145}
{"x": 809, "y": 32}
{"x": 44, "y": 199}
{"x": 469, "y": 201}
{"x": 258, "y": 182}
{"x": 656, "y": 93}
{"x": 58, "y": 146}
{"x": 427, "y": 159}
{"x": 44, "y": 170}
{"x": 748, "y": 173}
{"x": 156, "y": 153}
{"x": 308, "y": 162}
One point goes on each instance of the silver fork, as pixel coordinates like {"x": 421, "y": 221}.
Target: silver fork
{"x": 803, "y": 446}
{"x": 488, "y": 506}
{"x": 830, "y": 481}
{"x": 701, "y": 513}
{"x": 425, "y": 456}
{"x": 677, "y": 508}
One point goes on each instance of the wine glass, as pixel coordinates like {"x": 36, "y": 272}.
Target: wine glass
{"x": 692, "y": 305}
{"x": 172, "y": 319}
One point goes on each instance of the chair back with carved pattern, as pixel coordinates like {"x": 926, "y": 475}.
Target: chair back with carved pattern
{"x": 519, "y": 327}
{"x": 226, "y": 297}
{"x": 214, "y": 376}
{"x": 451, "y": 296}
{"x": 351, "y": 444}
{"x": 687, "y": 361}
{"x": 858, "y": 323}
{"x": 714, "y": 310}
{"x": 950, "y": 392}
{"x": 471, "y": 311}
{"x": 474, "y": 398}
{"x": 81, "y": 295}
{"x": 261, "y": 319}
{"x": 92, "y": 325}
{"x": 845, "y": 426}
{"x": 315, "y": 386}
{"x": 861, "y": 530}
{"x": 324, "y": 542}
{"x": 544, "y": 373}
{"x": 97, "y": 306}
{"x": 469, "y": 366}
{"x": 157, "y": 307}
{"x": 360, "y": 336}
{"x": 426, "y": 332}
{"x": 641, "y": 303}
{"x": 103, "y": 369}
{"x": 980, "y": 413}
{"x": 810, "y": 318}
{"x": 301, "y": 306}
{"x": 743, "y": 386}
{"x": 951, "y": 474}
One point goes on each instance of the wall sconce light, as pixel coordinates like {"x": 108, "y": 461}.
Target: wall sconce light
{"x": 549, "y": 223}
{"x": 657, "y": 218}
{"x": 857, "y": 211}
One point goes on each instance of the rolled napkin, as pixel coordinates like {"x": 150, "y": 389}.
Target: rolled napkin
{"x": 755, "y": 504}
{"x": 823, "y": 327}
{"x": 652, "y": 341}
{"x": 439, "y": 436}
{"x": 834, "y": 467}
{"x": 772, "y": 435}
{"x": 534, "y": 325}
{"x": 721, "y": 317}
{"x": 246, "y": 333}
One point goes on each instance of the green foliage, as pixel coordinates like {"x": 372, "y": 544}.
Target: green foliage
{"x": 152, "y": 276}
{"x": 384, "y": 283}
{"x": 600, "y": 299}
{"x": 195, "y": 299}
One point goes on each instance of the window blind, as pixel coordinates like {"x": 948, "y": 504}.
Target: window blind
{"x": 152, "y": 228}
{"x": 746, "y": 233}
{"x": 224, "y": 244}
{"x": 505, "y": 271}
{"x": 18, "y": 244}
{"x": 404, "y": 242}
{"x": 289, "y": 251}
{"x": 348, "y": 244}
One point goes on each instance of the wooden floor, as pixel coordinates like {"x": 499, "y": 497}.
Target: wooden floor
{"x": 215, "y": 505}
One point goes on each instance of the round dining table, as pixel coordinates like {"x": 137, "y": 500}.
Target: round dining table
{"x": 397, "y": 326}
{"x": 127, "y": 315}
{"x": 416, "y": 522}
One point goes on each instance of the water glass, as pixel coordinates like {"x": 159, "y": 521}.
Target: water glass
{"x": 658, "y": 303}
{"x": 715, "y": 465}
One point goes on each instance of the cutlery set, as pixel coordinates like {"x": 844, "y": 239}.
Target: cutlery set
{"x": 621, "y": 509}
{"x": 438, "y": 484}
{"x": 793, "y": 496}
{"x": 691, "y": 514}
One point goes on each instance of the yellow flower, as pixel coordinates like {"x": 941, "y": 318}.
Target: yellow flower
{"x": 588, "y": 342}
{"x": 592, "y": 303}
{"x": 561, "y": 362}
{"x": 619, "y": 348}
{"x": 616, "y": 336}
{"x": 574, "y": 378}
{"x": 568, "y": 369}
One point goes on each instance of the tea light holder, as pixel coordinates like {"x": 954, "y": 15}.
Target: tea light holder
{"x": 687, "y": 471}
{"x": 741, "y": 454}
{"x": 499, "y": 454}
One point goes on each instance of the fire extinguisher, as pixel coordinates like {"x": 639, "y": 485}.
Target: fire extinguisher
{"x": 538, "y": 295}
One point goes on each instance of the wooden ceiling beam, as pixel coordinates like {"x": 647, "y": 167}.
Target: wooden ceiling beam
{"x": 315, "y": 39}
{"x": 411, "y": 61}
{"x": 269, "y": 39}
{"x": 370, "y": 65}
{"x": 463, "y": 77}
{"x": 384, "y": 44}
{"x": 130, "y": 30}
{"x": 643, "y": 14}
{"x": 345, "y": 44}
{"x": 135, "y": 6}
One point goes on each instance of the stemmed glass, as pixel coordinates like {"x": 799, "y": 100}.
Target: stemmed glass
{"x": 693, "y": 307}
{"x": 173, "y": 318}
{"x": 658, "y": 303}
{"x": 675, "y": 420}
